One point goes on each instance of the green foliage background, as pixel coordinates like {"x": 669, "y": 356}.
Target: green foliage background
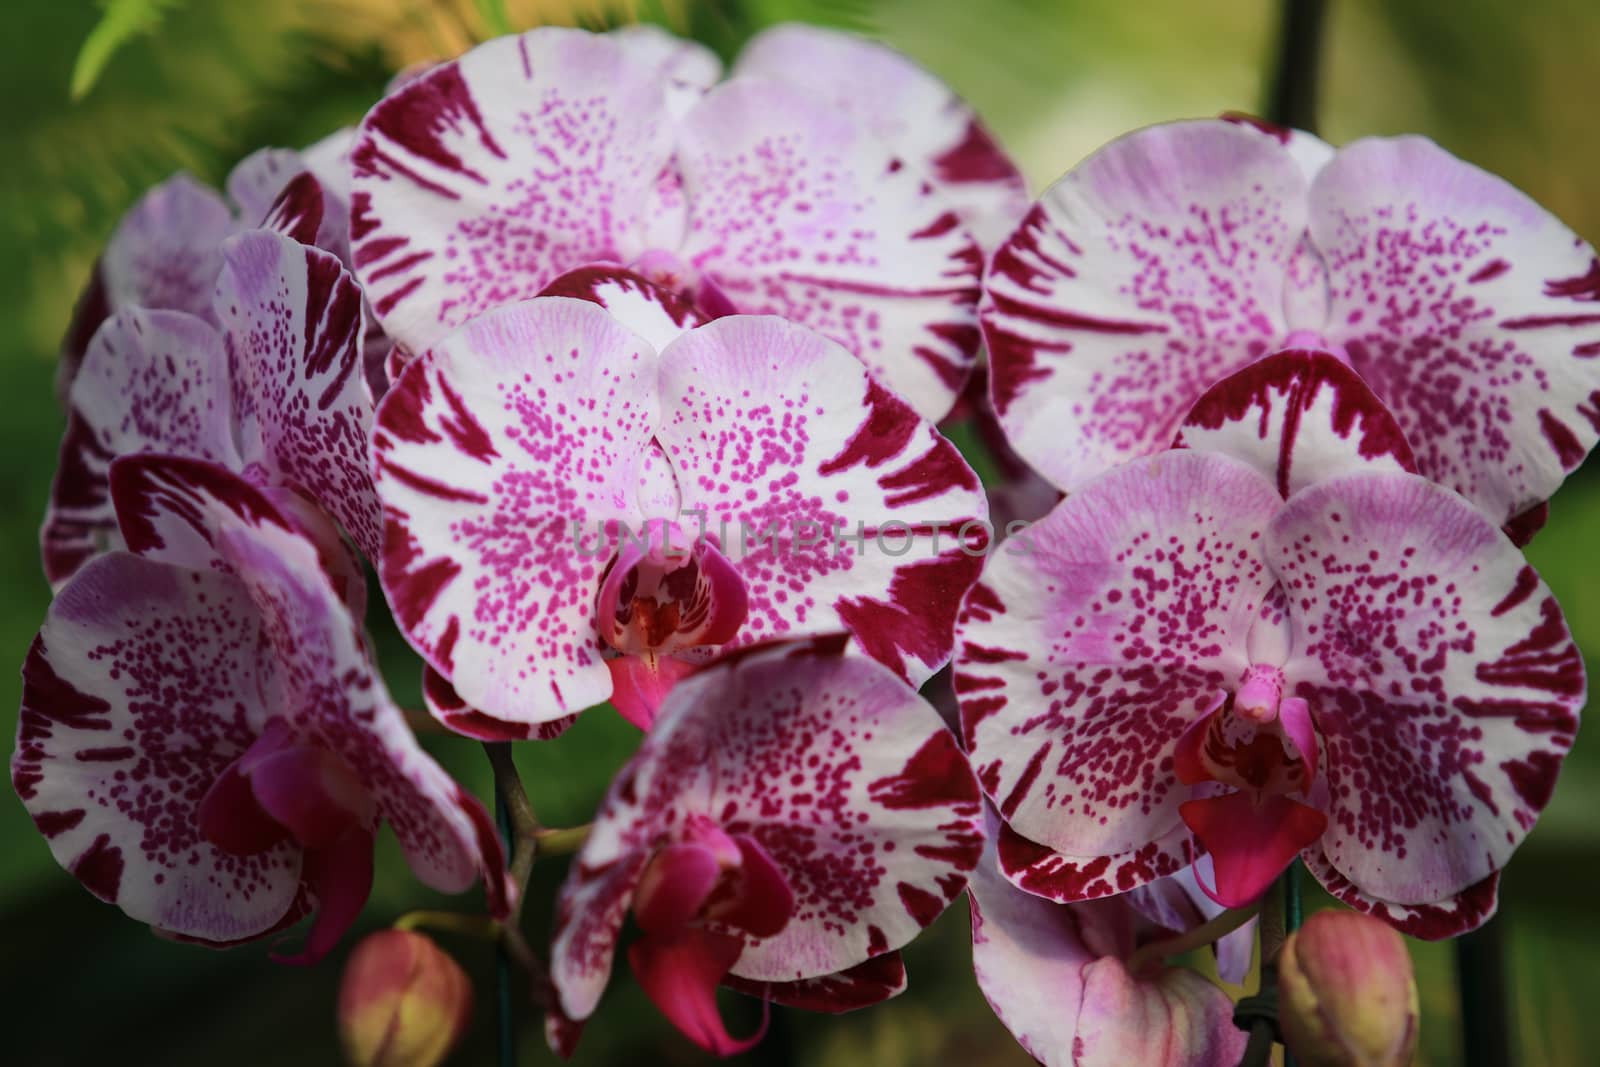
{"x": 202, "y": 82}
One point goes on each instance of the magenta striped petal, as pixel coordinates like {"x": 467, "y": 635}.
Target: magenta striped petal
{"x": 1473, "y": 312}
{"x": 839, "y": 507}
{"x": 796, "y": 210}
{"x": 500, "y": 458}
{"x": 1298, "y": 417}
{"x": 480, "y": 181}
{"x": 151, "y": 381}
{"x": 1150, "y": 271}
{"x": 1440, "y": 674}
{"x": 1451, "y": 917}
{"x": 926, "y": 124}
{"x": 292, "y": 319}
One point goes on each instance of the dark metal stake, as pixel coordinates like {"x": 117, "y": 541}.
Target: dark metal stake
{"x": 1481, "y": 970}
{"x": 1292, "y": 98}
{"x": 507, "y": 1038}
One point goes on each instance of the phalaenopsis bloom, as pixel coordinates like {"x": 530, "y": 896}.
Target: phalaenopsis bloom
{"x": 574, "y": 517}
{"x": 1306, "y": 650}
{"x": 482, "y": 180}
{"x": 203, "y": 739}
{"x": 795, "y": 816}
{"x": 1180, "y": 254}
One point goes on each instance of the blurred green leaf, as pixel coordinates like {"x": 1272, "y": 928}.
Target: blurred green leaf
{"x": 122, "y": 22}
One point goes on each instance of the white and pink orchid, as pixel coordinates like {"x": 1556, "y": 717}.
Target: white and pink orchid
{"x": 482, "y": 180}
{"x": 268, "y": 384}
{"x": 796, "y": 815}
{"x": 1179, "y": 660}
{"x": 203, "y": 739}
{"x": 1181, "y": 253}
{"x": 573, "y": 517}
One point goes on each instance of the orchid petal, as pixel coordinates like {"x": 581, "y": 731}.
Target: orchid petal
{"x": 1150, "y": 271}
{"x": 230, "y": 818}
{"x": 671, "y": 57}
{"x": 340, "y": 875}
{"x": 1043, "y": 872}
{"x": 675, "y": 886}
{"x": 640, "y": 684}
{"x": 446, "y": 705}
{"x": 292, "y": 317}
{"x": 590, "y": 911}
{"x": 1441, "y": 676}
{"x": 151, "y": 381}
{"x": 906, "y": 107}
{"x": 1470, "y": 310}
{"x": 496, "y": 457}
{"x": 1298, "y": 417}
{"x": 1251, "y": 840}
{"x": 1091, "y": 644}
{"x": 788, "y": 450}
{"x": 680, "y": 972}
{"x": 156, "y": 676}
{"x": 1177, "y": 1019}
{"x": 164, "y": 253}
{"x": 1452, "y": 916}
{"x": 309, "y": 791}
{"x": 480, "y": 181}
{"x": 257, "y": 182}
{"x": 762, "y": 903}
{"x": 796, "y": 210}
{"x": 655, "y": 314}
{"x": 873, "y": 982}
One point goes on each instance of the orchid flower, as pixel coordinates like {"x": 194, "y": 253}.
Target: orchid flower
{"x": 571, "y": 516}
{"x": 275, "y": 394}
{"x": 1178, "y": 660}
{"x": 1057, "y": 976}
{"x": 166, "y": 251}
{"x": 479, "y": 182}
{"x": 795, "y": 817}
{"x": 1181, "y": 253}
{"x": 203, "y": 739}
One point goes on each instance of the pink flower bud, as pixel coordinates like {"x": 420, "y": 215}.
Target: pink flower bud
{"x": 403, "y": 1002}
{"x": 1346, "y": 995}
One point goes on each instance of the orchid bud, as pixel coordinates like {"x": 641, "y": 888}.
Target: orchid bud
{"x": 1346, "y": 995}
{"x": 403, "y": 1002}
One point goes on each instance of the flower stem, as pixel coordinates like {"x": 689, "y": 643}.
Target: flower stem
{"x": 479, "y": 926}
{"x": 1211, "y": 930}
{"x": 1292, "y": 98}
{"x": 564, "y": 841}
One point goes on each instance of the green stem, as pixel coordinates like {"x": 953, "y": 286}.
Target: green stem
{"x": 564, "y": 841}
{"x": 455, "y": 922}
{"x": 1213, "y": 929}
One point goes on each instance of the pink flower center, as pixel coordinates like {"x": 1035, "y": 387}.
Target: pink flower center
{"x": 667, "y": 591}
{"x": 670, "y": 272}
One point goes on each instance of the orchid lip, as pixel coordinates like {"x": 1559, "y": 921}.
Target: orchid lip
{"x": 668, "y": 592}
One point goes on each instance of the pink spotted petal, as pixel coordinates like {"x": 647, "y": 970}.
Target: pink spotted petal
{"x": 1099, "y": 635}
{"x": 500, "y": 459}
{"x": 151, "y": 381}
{"x": 1251, "y": 840}
{"x": 1444, "y": 684}
{"x": 1177, "y": 1019}
{"x": 480, "y": 181}
{"x": 138, "y": 659}
{"x": 293, "y": 322}
{"x": 861, "y": 743}
{"x": 657, "y": 315}
{"x": 1298, "y": 417}
{"x": 685, "y": 62}
{"x": 905, "y": 106}
{"x": 172, "y": 509}
{"x": 1294, "y": 715}
{"x": 786, "y": 451}
{"x": 675, "y": 886}
{"x": 340, "y": 876}
{"x": 164, "y": 253}
{"x": 1470, "y": 310}
{"x": 1452, "y": 916}
{"x": 640, "y": 684}
{"x": 1149, "y": 272}
{"x": 797, "y": 210}
{"x": 873, "y": 982}
{"x": 446, "y": 705}
{"x": 679, "y": 973}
